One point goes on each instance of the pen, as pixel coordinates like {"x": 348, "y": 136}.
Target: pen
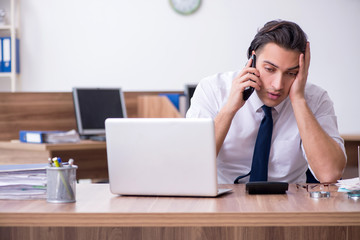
{"x": 57, "y": 161}
{"x": 50, "y": 162}
{"x": 71, "y": 162}
{"x": 60, "y": 162}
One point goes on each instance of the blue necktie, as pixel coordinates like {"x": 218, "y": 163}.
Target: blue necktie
{"x": 259, "y": 166}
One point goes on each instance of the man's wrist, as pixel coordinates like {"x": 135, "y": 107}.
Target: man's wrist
{"x": 298, "y": 99}
{"x": 299, "y": 103}
{"x": 229, "y": 111}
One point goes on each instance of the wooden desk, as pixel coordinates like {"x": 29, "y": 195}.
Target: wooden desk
{"x": 98, "y": 214}
{"x": 89, "y": 156}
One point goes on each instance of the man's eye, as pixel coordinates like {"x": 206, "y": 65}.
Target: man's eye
{"x": 293, "y": 74}
{"x": 269, "y": 69}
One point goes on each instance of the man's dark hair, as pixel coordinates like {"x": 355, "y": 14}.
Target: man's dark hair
{"x": 283, "y": 33}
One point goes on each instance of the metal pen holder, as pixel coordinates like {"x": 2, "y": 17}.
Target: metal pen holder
{"x": 61, "y": 184}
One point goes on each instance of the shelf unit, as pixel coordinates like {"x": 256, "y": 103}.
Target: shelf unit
{"x": 11, "y": 29}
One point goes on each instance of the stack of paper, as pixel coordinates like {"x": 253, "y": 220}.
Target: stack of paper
{"x": 62, "y": 137}
{"x": 23, "y": 181}
{"x": 349, "y": 185}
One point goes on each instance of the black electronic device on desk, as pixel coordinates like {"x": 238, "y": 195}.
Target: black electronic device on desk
{"x": 93, "y": 106}
{"x": 267, "y": 187}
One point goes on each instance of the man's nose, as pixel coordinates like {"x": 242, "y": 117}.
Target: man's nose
{"x": 278, "y": 82}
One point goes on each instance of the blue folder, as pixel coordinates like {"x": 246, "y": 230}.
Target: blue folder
{"x": 173, "y": 97}
{"x": 1, "y": 56}
{"x": 6, "y": 54}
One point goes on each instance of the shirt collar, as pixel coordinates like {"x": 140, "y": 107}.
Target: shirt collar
{"x": 256, "y": 103}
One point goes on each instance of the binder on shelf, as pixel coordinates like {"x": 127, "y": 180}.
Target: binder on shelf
{"x": 6, "y": 51}
{"x": 5, "y": 54}
{"x": 1, "y": 55}
{"x": 17, "y": 52}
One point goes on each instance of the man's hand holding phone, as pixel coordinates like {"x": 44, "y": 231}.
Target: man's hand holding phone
{"x": 248, "y": 77}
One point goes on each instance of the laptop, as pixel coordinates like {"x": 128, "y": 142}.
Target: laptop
{"x": 162, "y": 157}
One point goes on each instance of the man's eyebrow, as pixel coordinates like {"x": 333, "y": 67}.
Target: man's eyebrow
{"x": 289, "y": 69}
{"x": 292, "y": 68}
{"x": 271, "y": 64}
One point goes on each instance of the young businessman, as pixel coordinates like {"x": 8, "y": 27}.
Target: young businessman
{"x": 304, "y": 132}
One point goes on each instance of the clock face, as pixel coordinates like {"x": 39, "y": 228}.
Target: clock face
{"x": 185, "y": 7}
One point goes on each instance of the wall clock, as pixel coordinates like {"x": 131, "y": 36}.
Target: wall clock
{"x": 185, "y": 7}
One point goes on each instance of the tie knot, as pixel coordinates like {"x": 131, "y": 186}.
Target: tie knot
{"x": 267, "y": 111}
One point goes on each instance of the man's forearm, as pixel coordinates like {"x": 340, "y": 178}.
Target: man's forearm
{"x": 325, "y": 156}
{"x": 222, "y": 125}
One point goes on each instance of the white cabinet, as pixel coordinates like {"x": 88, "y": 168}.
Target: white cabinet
{"x": 10, "y": 28}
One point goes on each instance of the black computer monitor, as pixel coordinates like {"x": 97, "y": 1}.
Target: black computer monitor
{"x": 189, "y": 92}
{"x": 94, "y": 105}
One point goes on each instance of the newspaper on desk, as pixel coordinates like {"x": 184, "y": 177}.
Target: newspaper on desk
{"x": 26, "y": 181}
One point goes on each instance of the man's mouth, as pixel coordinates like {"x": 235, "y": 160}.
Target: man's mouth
{"x": 273, "y": 96}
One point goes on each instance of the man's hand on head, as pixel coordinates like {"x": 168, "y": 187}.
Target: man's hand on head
{"x": 297, "y": 90}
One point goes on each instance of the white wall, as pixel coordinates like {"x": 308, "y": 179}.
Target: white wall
{"x": 145, "y": 45}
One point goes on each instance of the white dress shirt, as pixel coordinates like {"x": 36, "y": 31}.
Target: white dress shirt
{"x": 287, "y": 160}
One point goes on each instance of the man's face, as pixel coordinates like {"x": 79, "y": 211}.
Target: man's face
{"x": 278, "y": 68}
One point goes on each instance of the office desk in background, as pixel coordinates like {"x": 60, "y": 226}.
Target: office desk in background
{"x": 351, "y": 145}
{"x": 89, "y": 156}
{"x": 98, "y": 214}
